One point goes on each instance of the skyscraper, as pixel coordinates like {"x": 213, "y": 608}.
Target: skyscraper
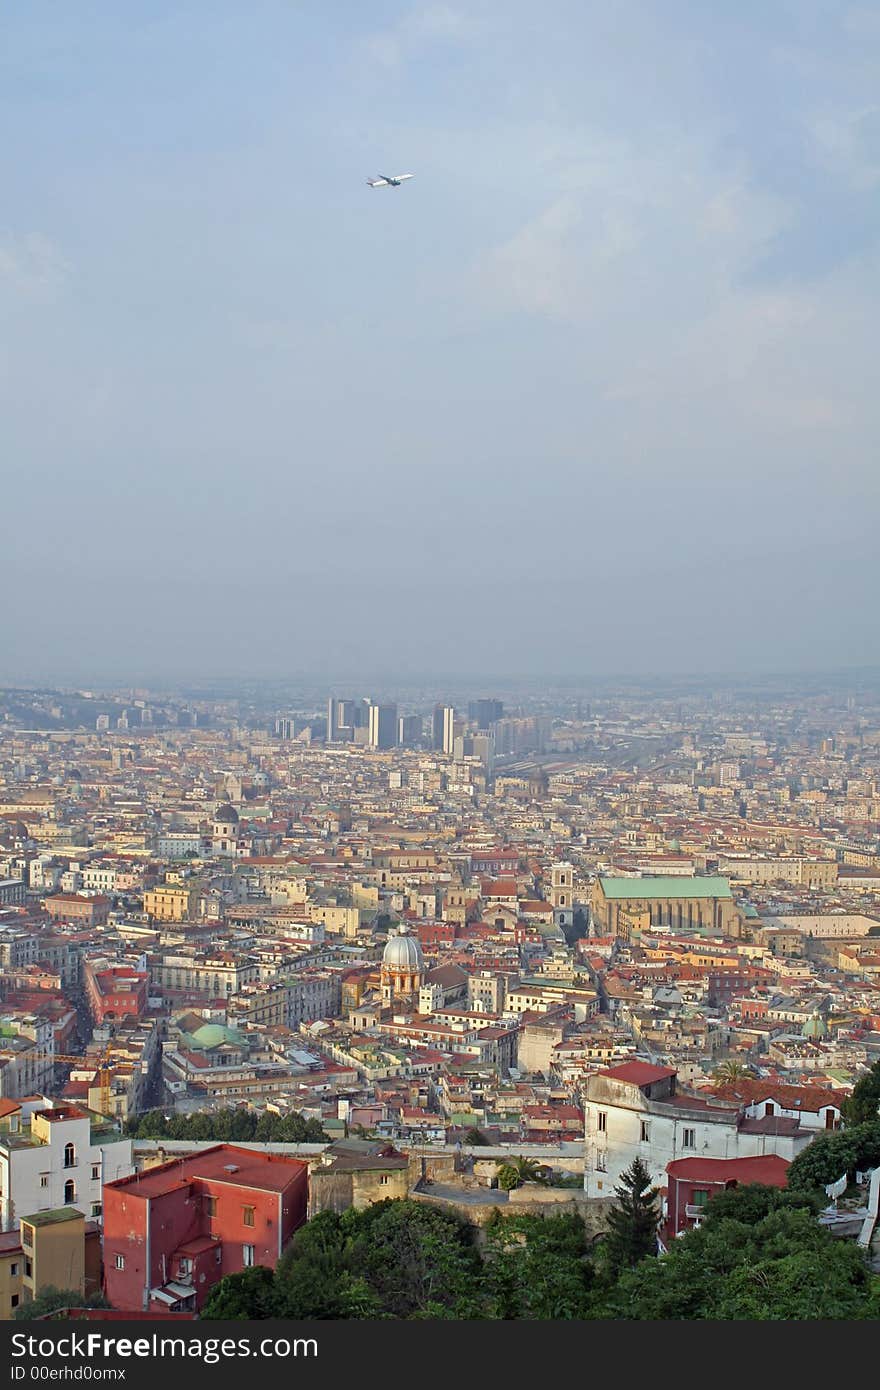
{"x": 437, "y": 727}
{"x": 485, "y": 713}
{"x": 448, "y": 728}
{"x": 332, "y": 719}
{"x": 383, "y": 726}
{"x": 409, "y": 730}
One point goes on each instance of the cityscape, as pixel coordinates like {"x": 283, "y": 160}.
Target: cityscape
{"x": 439, "y": 681}
{"x": 476, "y": 954}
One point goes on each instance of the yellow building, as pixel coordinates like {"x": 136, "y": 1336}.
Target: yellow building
{"x": 50, "y": 1250}
{"x": 170, "y": 904}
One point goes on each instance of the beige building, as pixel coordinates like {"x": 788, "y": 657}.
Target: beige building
{"x": 53, "y": 1249}
{"x": 809, "y": 873}
{"x": 356, "y": 1173}
{"x": 171, "y": 904}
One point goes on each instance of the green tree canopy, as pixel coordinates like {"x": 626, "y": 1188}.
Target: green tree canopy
{"x": 537, "y": 1267}
{"x": 834, "y": 1153}
{"x": 54, "y": 1300}
{"x": 251, "y": 1294}
{"x": 231, "y": 1125}
{"x": 863, "y": 1106}
{"x": 780, "y": 1266}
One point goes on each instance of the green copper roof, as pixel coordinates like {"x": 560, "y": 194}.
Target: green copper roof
{"x": 214, "y": 1034}
{"x": 666, "y": 886}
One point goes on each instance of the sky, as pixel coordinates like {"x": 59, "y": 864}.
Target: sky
{"x": 596, "y": 391}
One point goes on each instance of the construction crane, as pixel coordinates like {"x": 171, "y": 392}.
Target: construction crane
{"x": 103, "y": 1069}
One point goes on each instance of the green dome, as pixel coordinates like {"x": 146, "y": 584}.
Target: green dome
{"x": 213, "y": 1034}
{"x": 815, "y": 1027}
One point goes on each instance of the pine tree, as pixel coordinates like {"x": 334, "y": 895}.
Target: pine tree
{"x": 632, "y": 1222}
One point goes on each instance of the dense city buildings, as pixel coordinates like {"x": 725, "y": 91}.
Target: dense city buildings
{"x": 586, "y": 926}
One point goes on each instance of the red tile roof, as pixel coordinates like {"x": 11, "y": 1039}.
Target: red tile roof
{"x": 638, "y": 1073}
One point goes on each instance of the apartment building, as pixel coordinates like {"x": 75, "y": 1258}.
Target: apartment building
{"x": 55, "y": 1155}
{"x": 171, "y": 1233}
{"x": 637, "y": 1110}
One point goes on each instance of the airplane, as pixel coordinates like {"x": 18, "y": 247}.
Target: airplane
{"x": 387, "y": 181}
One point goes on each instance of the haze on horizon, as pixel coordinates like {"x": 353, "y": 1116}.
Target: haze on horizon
{"x": 595, "y": 392}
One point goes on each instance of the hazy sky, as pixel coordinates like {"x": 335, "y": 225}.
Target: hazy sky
{"x": 596, "y": 391}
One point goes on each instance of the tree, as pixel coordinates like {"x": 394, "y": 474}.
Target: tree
{"x": 782, "y": 1265}
{"x": 537, "y": 1267}
{"x": 834, "y": 1153}
{"x": 519, "y": 1170}
{"x": 54, "y": 1300}
{"x": 475, "y": 1138}
{"x": 632, "y": 1222}
{"x": 231, "y": 1125}
{"x": 250, "y": 1294}
{"x": 415, "y": 1258}
{"x": 730, "y": 1070}
{"x": 864, "y": 1103}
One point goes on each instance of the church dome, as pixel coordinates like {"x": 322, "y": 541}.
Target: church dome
{"x": 227, "y": 815}
{"x": 815, "y": 1026}
{"x": 403, "y": 952}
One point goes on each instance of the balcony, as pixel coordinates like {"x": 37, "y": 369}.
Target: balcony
{"x": 693, "y": 1213}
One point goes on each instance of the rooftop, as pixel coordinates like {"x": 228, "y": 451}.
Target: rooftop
{"x": 225, "y": 1163}
{"x": 665, "y": 886}
{"x": 52, "y": 1218}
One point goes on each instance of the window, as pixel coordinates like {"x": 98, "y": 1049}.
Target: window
{"x": 69, "y": 1193}
{"x": 27, "y": 1235}
{"x": 247, "y": 1255}
{"x": 645, "y": 1132}
{"x": 28, "y": 1269}
{"x": 383, "y": 1179}
{"x": 699, "y": 1198}
{"x": 769, "y": 1108}
{"x": 13, "y": 1269}
{"x": 96, "y": 1172}
{"x": 120, "y": 1262}
{"x": 689, "y": 1140}
{"x": 602, "y": 1121}
{"x": 211, "y": 1206}
{"x": 96, "y": 1209}
{"x": 247, "y": 1216}
{"x": 44, "y": 1180}
{"x": 69, "y": 1156}
{"x": 600, "y": 1164}
{"x": 14, "y": 1300}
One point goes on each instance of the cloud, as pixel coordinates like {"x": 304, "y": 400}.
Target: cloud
{"x": 416, "y": 31}
{"x": 31, "y": 265}
{"x": 848, "y": 146}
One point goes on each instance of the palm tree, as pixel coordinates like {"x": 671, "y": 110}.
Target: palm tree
{"x": 519, "y": 1170}
{"x": 731, "y": 1070}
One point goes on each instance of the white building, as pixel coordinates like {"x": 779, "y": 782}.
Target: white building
{"x": 56, "y": 1155}
{"x": 635, "y": 1110}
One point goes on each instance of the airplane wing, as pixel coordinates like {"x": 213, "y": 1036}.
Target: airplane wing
{"x": 377, "y": 183}
{"x": 400, "y": 177}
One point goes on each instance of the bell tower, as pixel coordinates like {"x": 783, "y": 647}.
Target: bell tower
{"x": 562, "y": 894}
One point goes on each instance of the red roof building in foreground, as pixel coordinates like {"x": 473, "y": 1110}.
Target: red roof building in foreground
{"x": 693, "y": 1181}
{"x": 173, "y": 1231}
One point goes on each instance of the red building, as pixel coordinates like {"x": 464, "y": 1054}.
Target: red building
{"x": 171, "y": 1232}
{"x": 692, "y": 1182}
{"x": 115, "y": 991}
